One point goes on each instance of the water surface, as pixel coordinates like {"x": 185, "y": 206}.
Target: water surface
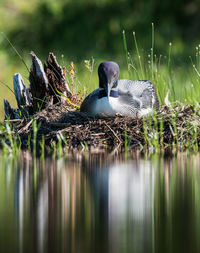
{"x": 100, "y": 203}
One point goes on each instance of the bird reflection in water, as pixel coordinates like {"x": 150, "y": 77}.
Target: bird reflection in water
{"x": 98, "y": 203}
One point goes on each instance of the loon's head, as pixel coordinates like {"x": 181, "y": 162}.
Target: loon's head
{"x": 108, "y": 72}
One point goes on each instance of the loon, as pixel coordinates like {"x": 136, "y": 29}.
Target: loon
{"x": 126, "y": 97}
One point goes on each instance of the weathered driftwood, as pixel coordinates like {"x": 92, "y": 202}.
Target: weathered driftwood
{"x": 22, "y": 95}
{"x": 21, "y": 92}
{"x": 46, "y": 86}
{"x": 10, "y": 113}
{"x": 38, "y": 82}
{"x": 56, "y": 78}
{"x": 46, "y": 82}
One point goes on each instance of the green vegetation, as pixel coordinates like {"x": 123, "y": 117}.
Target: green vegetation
{"x": 81, "y": 40}
{"x": 82, "y": 29}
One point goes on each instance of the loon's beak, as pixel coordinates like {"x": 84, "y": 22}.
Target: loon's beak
{"x": 108, "y": 88}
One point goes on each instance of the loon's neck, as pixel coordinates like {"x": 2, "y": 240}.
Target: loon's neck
{"x": 113, "y": 93}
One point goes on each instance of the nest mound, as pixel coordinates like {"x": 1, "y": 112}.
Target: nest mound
{"x": 178, "y": 126}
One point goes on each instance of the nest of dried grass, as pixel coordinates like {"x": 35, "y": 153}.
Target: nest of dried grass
{"x": 178, "y": 127}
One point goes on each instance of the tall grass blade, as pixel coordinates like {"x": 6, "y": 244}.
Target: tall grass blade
{"x": 125, "y": 48}
{"x": 152, "y": 51}
{"x": 138, "y": 55}
{"x": 169, "y": 57}
{"x": 18, "y": 54}
{"x": 7, "y": 87}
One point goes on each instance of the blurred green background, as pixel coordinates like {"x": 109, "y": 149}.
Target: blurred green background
{"x": 84, "y": 29}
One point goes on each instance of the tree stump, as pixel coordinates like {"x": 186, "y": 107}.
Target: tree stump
{"x": 47, "y": 86}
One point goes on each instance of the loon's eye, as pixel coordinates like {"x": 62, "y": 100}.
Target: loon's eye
{"x": 114, "y": 75}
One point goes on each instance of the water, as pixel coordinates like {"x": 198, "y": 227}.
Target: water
{"x": 100, "y": 203}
